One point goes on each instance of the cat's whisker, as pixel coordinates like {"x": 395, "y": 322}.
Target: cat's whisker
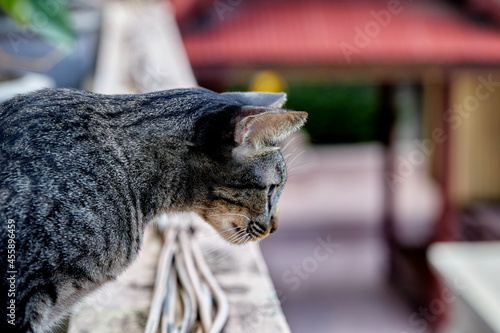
{"x": 230, "y": 239}
{"x": 236, "y": 235}
{"x": 220, "y": 257}
{"x": 238, "y": 239}
{"x": 290, "y": 154}
{"x": 231, "y": 214}
{"x": 295, "y": 169}
{"x": 217, "y": 233}
{"x": 248, "y": 240}
{"x": 295, "y": 157}
{"x": 220, "y": 254}
{"x": 226, "y": 254}
{"x": 289, "y": 143}
{"x": 292, "y": 167}
{"x": 241, "y": 238}
{"x": 216, "y": 248}
{"x": 293, "y": 175}
{"x": 235, "y": 238}
{"x": 224, "y": 248}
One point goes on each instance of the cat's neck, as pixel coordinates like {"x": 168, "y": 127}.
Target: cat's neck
{"x": 155, "y": 155}
{"x": 159, "y": 176}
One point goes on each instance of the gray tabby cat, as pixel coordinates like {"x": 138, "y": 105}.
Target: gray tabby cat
{"x": 81, "y": 174}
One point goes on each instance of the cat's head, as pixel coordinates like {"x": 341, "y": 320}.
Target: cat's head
{"x": 240, "y": 171}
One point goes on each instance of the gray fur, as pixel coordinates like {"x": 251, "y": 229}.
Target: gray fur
{"x": 81, "y": 174}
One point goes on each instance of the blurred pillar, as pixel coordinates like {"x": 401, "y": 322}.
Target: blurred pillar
{"x": 447, "y": 225}
{"x": 385, "y": 126}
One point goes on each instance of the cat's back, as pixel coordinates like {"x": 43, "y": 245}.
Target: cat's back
{"x": 28, "y": 121}
{"x": 62, "y": 153}
{"x": 39, "y": 134}
{"x": 55, "y": 138}
{"x": 56, "y": 153}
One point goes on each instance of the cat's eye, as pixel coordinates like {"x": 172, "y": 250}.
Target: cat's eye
{"x": 271, "y": 191}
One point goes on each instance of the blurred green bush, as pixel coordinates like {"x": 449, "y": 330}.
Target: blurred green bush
{"x": 338, "y": 113}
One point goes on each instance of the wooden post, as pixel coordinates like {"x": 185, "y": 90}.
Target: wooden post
{"x": 386, "y": 126}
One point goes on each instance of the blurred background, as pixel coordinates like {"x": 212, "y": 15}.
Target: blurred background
{"x": 401, "y": 149}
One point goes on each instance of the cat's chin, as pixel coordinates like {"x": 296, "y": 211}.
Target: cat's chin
{"x": 240, "y": 239}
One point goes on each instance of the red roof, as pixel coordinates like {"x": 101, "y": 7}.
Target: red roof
{"x": 186, "y": 9}
{"x": 324, "y": 32}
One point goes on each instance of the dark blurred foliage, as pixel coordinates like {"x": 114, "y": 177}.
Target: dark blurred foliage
{"x": 338, "y": 113}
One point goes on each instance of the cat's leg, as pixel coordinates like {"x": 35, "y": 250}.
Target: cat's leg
{"x": 44, "y": 308}
{"x": 35, "y": 317}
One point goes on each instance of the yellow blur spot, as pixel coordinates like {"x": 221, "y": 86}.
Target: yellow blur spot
{"x": 268, "y": 81}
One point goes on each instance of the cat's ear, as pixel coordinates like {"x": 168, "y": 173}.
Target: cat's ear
{"x": 260, "y": 127}
{"x": 254, "y": 98}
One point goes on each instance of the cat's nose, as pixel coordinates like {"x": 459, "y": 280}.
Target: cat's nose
{"x": 274, "y": 224}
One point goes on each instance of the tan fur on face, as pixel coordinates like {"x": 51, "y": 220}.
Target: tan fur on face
{"x": 230, "y": 221}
